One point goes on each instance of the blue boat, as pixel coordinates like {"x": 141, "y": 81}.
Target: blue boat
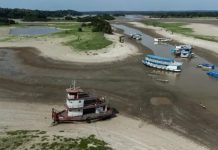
{"x": 207, "y": 66}
{"x": 213, "y": 73}
{"x": 162, "y": 63}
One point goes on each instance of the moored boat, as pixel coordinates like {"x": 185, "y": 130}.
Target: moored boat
{"x": 184, "y": 51}
{"x": 162, "y": 39}
{"x": 206, "y": 66}
{"x": 163, "y": 63}
{"x": 136, "y": 36}
{"x": 186, "y": 46}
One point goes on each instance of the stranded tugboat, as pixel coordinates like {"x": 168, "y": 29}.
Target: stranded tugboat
{"x": 80, "y": 106}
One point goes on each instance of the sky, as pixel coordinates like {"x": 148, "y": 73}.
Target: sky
{"x": 112, "y": 5}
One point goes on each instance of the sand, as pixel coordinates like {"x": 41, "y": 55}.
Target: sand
{"x": 54, "y": 48}
{"x": 209, "y": 45}
{"x": 120, "y": 132}
{"x": 203, "y": 29}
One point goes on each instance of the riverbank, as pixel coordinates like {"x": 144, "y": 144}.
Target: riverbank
{"x": 54, "y": 49}
{"x": 31, "y": 78}
{"x": 137, "y": 135}
{"x": 209, "y": 45}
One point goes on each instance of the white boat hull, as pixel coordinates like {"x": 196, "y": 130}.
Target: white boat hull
{"x": 162, "y": 67}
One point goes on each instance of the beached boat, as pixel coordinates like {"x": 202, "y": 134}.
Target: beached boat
{"x": 206, "y": 66}
{"x": 213, "y": 73}
{"x": 184, "y": 51}
{"x": 162, "y": 63}
{"x": 80, "y": 106}
{"x": 162, "y": 39}
{"x": 186, "y": 46}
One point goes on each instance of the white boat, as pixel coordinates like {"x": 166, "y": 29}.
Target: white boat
{"x": 186, "y": 46}
{"x": 184, "y": 51}
{"x": 162, "y": 39}
{"x": 136, "y": 36}
{"x": 162, "y": 63}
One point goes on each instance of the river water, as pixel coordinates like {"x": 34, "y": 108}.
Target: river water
{"x": 33, "y": 30}
{"x": 192, "y": 81}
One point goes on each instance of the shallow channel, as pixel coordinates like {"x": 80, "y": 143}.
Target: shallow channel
{"x": 191, "y": 81}
{"x": 37, "y": 30}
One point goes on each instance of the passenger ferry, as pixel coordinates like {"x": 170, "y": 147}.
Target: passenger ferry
{"x": 162, "y": 63}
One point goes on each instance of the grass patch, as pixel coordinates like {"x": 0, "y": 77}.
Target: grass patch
{"x": 24, "y": 139}
{"x": 173, "y": 27}
{"x": 85, "y": 40}
{"x": 15, "y": 139}
{"x": 82, "y": 41}
{"x": 89, "y": 41}
{"x": 179, "y": 28}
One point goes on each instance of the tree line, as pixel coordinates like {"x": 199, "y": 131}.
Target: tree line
{"x": 6, "y": 21}
{"x": 34, "y": 15}
{"x": 98, "y": 23}
{"x": 183, "y": 14}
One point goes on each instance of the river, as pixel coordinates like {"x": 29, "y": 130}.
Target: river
{"x": 191, "y": 81}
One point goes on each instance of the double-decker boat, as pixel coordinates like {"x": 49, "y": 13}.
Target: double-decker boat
{"x": 163, "y": 63}
{"x": 80, "y": 106}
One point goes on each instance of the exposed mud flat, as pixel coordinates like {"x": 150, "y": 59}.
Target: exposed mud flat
{"x": 160, "y": 101}
{"x": 27, "y": 77}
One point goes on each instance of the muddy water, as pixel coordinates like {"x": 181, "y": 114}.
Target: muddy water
{"x": 191, "y": 81}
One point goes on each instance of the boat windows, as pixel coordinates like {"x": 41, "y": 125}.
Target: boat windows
{"x": 82, "y": 95}
{"x": 179, "y": 68}
{"x": 88, "y": 111}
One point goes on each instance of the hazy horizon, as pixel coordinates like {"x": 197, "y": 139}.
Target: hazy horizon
{"x": 112, "y": 5}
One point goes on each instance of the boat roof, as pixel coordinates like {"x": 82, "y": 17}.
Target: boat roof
{"x": 208, "y": 65}
{"x": 159, "y": 58}
{"x": 74, "y": 90}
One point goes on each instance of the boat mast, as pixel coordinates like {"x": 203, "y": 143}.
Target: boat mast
{"x": 74, "y": 84}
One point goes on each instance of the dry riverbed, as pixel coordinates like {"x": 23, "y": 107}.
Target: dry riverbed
{"x": 31, "y": 85}
{"x": 120, "y": 132}
{"x": 209, "y": 45}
